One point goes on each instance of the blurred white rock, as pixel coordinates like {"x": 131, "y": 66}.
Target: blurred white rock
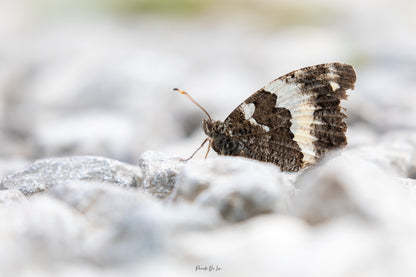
{"x": 395, "y": 152}
{"x": 107, "y": 204}
{"x": 129, "y": 225}
{"x": 274, "y": 245}
{"x": 103, "y": 204}
{"x": 10, "y": 196}
{"x": 347, "y": 185}
{"x": 267, "y": 245}
{"x": 236, "y": 187}
{"x": 39, "y": 233}
{"x": 138, "y": 234}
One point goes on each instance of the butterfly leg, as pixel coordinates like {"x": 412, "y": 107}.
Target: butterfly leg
{"x": 193, "y": 154}
{"x": 209, "y": 147}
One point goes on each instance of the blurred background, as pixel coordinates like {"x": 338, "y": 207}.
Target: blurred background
{"x": 96, "y": 77}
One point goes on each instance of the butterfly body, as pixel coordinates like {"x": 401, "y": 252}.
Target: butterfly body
{"x": 223, "y": 142}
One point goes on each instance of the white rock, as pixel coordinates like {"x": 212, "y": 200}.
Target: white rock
{"x": 183, "y": 217}
{"x": 408, "y": 186}
{"x": 408, "y": 183}
{"x": 276, "y": 245}
{"x": 129, "y": 224}
{"x": 46, "y": 173}
{"x": 159, "y": 173}
{"x": 139, "y": 235}
{"x": 347, "y": 185}
{"x": 10, "y": 196}
{"x": 394, "y": 152}
{"x": 263, "y": 246}
{"x": 104, "y": 204}
{"x": 95, "y": 223}
{"x": 237, "y": 188}
{"x": 40, "y": 232}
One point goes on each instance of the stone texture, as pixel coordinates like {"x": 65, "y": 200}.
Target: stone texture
{"x": 346, "y": 210}
{"x": 129, "y": 223}
{"x": 274, "y": 245}
{"x": 394, "y": 152}
{"x": 141, "y": 234}
{"x": 102, "y": 203}
{"x": 347, "y": 185}
{"x": 10, "y": 196}
{"x": 43, "y": 174}
{"x": 159, "y": 173}
{"x": 237, "y": 188}
{"x": 101, "y": 224}
{"x": 408, "y": 185}
{"x": 40, "y": 232}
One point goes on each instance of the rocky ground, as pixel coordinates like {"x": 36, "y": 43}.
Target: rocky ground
{"x": 93, "y": 216}
{"x": 91, "y": 181}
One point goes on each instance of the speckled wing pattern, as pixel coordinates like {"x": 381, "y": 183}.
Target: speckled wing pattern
{"x": 295, "y": 119}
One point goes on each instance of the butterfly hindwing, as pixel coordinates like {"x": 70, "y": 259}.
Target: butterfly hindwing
{"x": 295, "y": 119}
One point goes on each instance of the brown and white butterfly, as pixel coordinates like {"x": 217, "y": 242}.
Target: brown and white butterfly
{"x": 291, "y": 122}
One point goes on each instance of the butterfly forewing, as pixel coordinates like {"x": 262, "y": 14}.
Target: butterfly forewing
{"x": 295, "y": 119}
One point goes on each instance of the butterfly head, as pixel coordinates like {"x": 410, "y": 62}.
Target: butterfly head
{"x": 213, "y": 128}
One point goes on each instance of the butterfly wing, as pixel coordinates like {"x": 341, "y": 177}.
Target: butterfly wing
{"x": 295, "y": 119}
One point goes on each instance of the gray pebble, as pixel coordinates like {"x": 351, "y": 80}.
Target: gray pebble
{"x": 43, "y": 174}
{"x": 237, "y": 188}
{"x": 159, "y": 173}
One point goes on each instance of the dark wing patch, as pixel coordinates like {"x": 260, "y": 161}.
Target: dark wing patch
{"x": 265, "y": 132}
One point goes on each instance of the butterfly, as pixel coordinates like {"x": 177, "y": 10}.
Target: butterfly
{"x": 291, "y": 122}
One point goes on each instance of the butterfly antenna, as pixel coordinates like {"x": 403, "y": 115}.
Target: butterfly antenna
{"x": 196, "y": 103}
